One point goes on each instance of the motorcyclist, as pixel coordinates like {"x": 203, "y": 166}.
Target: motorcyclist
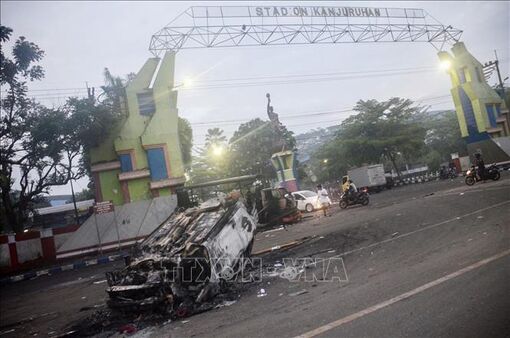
{"x": 348, "y": 188}
{"x": 352, "y": 190}
{"x": 481, "y": 166}
{"x": 345, "y": 184}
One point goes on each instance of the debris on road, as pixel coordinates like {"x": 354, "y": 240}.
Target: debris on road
{"x": 281, "y": 247}
{"x": 225, "y": 303}
{"x": 7, "y": 331}
{"x": 100, "y": 281}
{"x": 261, "y": 293}
{"x": 298, "y": 293}
{"x": 128, "y": 328}
{"x": 283, "y": 227}
{"x": 86, "y": 308}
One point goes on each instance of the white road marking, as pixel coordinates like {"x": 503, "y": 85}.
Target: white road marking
{"x": 456, "y": 218}
{"x": 403, "y": 296}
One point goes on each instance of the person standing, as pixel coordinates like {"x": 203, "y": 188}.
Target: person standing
{"x": 481, "y": 166}
{"x": 322, "y": 195}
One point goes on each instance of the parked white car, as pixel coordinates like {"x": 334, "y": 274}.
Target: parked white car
{"x": 307, "y": 200}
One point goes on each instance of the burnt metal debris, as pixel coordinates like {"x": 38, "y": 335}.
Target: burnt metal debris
{"x": 187, "y": 260}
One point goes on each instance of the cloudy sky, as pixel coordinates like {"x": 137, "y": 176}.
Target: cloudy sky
{"x": 82, "y": 38}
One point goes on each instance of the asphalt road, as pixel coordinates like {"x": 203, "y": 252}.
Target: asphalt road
{"x": 427, "y": 260}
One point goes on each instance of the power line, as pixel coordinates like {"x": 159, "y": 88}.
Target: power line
{"x": 379, "y": 72}
{"x": 56, "y": 89}
{"x": 301, "y": 114}
{"x": 327, "y": 121}
{"x": 300, "y": 81}
{"x": 314, "y": 74}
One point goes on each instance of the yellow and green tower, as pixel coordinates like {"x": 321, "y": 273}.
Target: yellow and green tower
{"x": 141, "y": 158}
{"x": 483, "y": 117}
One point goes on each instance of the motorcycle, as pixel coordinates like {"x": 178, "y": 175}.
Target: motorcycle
{"x": 360, "y": 197}
{"x": 449, "y": 173}
{"x": 492, "y": 173}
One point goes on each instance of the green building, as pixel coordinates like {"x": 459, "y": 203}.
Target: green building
{"x": 141, "y": 158}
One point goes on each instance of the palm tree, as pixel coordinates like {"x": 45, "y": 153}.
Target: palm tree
{"x": 113, "y": 90}
{"x": 214, "y": 136}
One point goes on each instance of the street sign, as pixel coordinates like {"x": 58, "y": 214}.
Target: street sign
{"x": 103, "y": 207}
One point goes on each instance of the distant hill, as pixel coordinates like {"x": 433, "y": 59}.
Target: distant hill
{"x": 309, "y": 142}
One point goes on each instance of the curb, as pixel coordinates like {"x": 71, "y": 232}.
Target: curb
{"x": 65, "y": 267}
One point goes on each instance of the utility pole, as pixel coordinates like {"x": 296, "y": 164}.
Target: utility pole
{"x": 499, "y": 74}
{"x": 90, "y": 92}
{"x": 392, "y": 159}
{"x": 76, "y": 216}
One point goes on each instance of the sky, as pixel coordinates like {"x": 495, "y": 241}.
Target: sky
{"x": 81, "y": 38}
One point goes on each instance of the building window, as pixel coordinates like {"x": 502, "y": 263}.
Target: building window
{"x": 125, "y": 163}
{"x": 478, "y": 76}
{"x": 490, "y": 114}
{"x": 146, "y": 105}
{"x": 467, "y": 74}
{"x": 462, "y": 75}
{"x": 157, "y": 164}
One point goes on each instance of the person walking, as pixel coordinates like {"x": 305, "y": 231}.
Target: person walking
{"x": 322, "y": 196}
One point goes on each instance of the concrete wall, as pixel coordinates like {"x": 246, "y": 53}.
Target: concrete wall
{"x": 31, "y": 249}
{"x": 5, "y": 257}
{"x": 133, "y": 221}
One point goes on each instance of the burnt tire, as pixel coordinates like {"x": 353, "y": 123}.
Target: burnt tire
{"x": 496, "y": 176}
{"x": 470, "y": 180}
{"x": 309, "y": 208}
{"x": 343, "y": 204}
{"x": 365, "y": 201}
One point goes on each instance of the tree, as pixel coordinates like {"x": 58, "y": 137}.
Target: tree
{"x": 34, "y": 147}
{"x": 380, "y": 132}
{"x": 114, "y": 91}
{"x": 185, "y": 139}
{"x": 212, "y": 162}
{"x": 382, "y": 129}
{"x": 89, "y": 124}
{"x": 443, "y": 138}
{"x": 252, "y": 146}
{"x": 40, "y": 147}
{"x": 214, "y": 136}
{"x": 329, "y": 162}
{"x": 85, "y": 194}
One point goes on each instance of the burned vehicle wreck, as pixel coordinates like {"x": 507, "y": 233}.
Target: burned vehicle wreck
{"x": 189, "y": 258}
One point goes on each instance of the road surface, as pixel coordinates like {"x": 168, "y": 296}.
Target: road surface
{"x": 427, "y": 260}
